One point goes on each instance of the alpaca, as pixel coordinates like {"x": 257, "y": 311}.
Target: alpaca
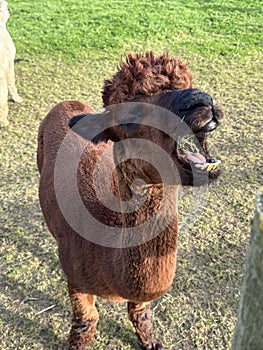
{"x": 7, "y": 73}
{"x": 139, "y": 273}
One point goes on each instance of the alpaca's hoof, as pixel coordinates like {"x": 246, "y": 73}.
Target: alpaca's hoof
{"x": 156, "y": 345}
{"x": 81, "y": 334}
{"x": 4, "y": 123}
{"x": 18, "y": 99}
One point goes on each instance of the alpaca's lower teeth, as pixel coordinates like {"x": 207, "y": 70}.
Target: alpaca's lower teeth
{"x": 191, "y": 151}
{"x": 208, "y": 166}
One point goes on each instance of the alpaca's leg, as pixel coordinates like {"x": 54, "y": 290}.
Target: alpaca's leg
{"x": 11, "y": 85}
{"x": 85, "y": 318}
{"x": 140, "y": 316}
{"x": 3, "y": 102}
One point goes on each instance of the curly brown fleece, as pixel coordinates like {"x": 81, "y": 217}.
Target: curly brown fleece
{"x": 146, "y": 75}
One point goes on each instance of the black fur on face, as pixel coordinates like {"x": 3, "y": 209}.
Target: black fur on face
{"x": 196, "y": 109}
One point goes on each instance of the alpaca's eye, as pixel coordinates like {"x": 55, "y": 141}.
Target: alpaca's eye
{"x": 197, "y": 105}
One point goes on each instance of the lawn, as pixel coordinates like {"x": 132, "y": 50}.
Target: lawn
{"x": 67, "y": 48}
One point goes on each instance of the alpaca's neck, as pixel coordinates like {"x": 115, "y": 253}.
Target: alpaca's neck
{"x": 148, "y": 208}
{"x": 153, "y": 255}
{"x": 134, "y": 177}
{"x": 140, "y": 185}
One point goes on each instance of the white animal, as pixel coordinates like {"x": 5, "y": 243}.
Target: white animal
{"x": 7, "y": 73}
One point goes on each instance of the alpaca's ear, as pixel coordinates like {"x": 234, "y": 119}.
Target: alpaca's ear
{"x": 73, "y": 121}
{"x": 91, "y": 126}
{"x": 117, "y": 122}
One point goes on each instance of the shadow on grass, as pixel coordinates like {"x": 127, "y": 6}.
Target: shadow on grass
{"x": 32, "y": 281}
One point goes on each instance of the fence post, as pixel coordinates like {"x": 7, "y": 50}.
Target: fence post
{"x": 248, "y": 333}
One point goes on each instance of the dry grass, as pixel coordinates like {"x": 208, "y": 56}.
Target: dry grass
{"x": 199, "y": 312}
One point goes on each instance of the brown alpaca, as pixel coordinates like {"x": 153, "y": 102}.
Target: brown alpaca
{"x": 133, "y": 274}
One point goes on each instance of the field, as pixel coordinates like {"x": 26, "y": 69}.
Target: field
{"x": 66, "y": 50}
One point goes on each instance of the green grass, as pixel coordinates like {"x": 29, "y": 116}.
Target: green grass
{"x": 75, "y": 30}
{"x": 69, "y": 48}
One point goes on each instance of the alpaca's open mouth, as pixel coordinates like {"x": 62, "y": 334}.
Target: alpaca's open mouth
{"x": 193, "y": 149}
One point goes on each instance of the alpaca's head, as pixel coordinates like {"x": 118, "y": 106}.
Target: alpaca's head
{"x": 166, "y": 120}
{"x": 146, "y": 75}
{"x": 198, "y": 117}
{"x": 4, "y": 13}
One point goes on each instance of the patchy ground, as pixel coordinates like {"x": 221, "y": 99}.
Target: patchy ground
{"x": 199, "y": 312}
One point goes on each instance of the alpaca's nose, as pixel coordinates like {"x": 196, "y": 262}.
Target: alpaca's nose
{"x": 212, "y": 125}
{"x": 193, "y": 98}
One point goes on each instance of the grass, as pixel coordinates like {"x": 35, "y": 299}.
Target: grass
{"x": 75, "y": 30}
{"x": 69, "y": 48}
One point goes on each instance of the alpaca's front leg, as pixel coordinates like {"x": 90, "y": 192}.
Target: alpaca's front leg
{"x": 3, "y": 102}
{"x": 85, "y": 318}
{"x": 12, "y": 86}
{"x": 140, "y": 316}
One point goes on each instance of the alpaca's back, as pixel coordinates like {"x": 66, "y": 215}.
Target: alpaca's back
{"x": 52, "y": 132}
{"x": 54, "y": 128}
